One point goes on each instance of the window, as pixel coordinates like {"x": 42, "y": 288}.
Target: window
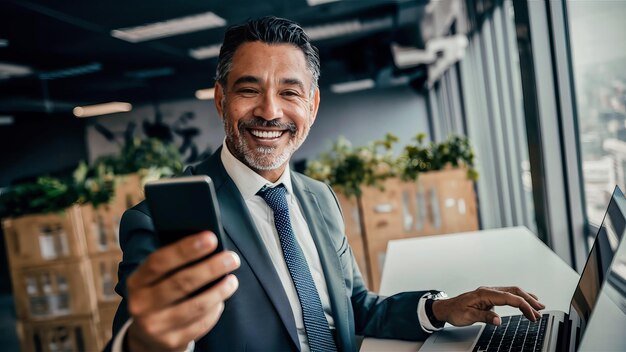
{"x": 598, "y": 47}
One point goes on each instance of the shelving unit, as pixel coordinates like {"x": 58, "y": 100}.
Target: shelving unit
{"x": 64, "y": 271}
{"x": 438, "y": 202}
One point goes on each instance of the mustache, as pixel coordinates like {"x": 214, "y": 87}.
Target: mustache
{"x": 260, "y": 122}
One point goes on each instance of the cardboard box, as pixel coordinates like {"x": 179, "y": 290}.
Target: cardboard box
{"x": 67, "y": 335}
{"x": 378, "y": 251}
{"x": 352, "y": 220}
{"x": 457, "y": 201}
{"x": 106, "y": 312}
{"x": 104, "y": 268}
{"x": 438, "y": 202}
{"x": 34, "y": 240}
{"x": 384, "y": 211}
{"x": 101, "y": 227}
{"x": 54, "y": 290}
{"x": 128, "y": 193}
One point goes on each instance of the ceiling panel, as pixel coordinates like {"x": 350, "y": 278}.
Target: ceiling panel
{"x": 60, "y": 35}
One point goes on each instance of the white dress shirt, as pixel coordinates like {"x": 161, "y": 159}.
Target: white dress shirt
{"x": 249, "y": 183}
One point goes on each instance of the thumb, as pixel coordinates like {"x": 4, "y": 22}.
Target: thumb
{"x": 487, "y": 316}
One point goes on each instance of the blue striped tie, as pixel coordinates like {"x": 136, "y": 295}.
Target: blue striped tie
{"x": 315, "y": 324}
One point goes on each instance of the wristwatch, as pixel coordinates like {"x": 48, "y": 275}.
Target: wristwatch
{"x": 428, "y": 307}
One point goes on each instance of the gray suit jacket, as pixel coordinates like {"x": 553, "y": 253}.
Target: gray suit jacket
{"x": 258, "y": 316}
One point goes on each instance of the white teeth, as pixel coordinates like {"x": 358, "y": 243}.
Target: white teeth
{"x": 266, "y": 134}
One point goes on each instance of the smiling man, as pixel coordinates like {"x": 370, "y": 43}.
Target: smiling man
{"x": 291, "y": 280}
{"x": 269, "y": 106}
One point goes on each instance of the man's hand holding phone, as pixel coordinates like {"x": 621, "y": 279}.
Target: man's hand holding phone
{"x": 165, "y": 318}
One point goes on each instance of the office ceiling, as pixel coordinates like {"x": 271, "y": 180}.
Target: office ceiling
{"x": 55, "y": 55}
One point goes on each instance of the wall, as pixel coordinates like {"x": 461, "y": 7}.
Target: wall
{"x": 36, "y": 145}
{"x": 40, "y": 144}
{"x": 365, "y": 116}
{"x": 359, "y": 116}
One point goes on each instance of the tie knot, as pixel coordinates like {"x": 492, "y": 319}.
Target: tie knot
{"x": 275, "y": 197}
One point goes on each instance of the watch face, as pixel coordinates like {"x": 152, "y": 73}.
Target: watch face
{"x": 439, "y": 295}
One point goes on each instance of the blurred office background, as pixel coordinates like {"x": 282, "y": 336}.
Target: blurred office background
{"x": 539, "y": 88}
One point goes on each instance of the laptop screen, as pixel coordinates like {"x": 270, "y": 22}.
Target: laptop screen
{"x": 605, "y": 329}
{"x": 598, "y": 262}
{"x": 615, "y": 285}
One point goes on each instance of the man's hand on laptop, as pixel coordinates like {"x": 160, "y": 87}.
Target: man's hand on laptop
{"x": 163, "y": 318}
{"x": 476, "y": 306}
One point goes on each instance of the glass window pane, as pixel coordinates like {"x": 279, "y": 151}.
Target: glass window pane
{"x": 598, "y": 44}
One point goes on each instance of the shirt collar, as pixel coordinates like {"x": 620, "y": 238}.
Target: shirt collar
{"x": 247, "y": 181}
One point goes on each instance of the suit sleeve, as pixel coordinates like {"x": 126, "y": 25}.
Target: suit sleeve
{"x": 137, "y": 240}
{"x": 393, "y": 317}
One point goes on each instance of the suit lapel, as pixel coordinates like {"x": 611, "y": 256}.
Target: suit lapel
{"x": 328, "y": 257}
{"x": 239, "y": 227}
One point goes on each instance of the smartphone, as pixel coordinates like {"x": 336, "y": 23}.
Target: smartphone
{"x": 184, "y": 206}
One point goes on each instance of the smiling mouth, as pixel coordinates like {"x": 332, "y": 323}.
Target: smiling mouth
{"x": 266, "y": 135}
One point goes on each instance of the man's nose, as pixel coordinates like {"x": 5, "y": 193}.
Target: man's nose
{"x": 269, "y": 107}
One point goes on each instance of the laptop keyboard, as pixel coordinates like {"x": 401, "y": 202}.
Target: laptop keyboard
{"x": 516, "y": 333}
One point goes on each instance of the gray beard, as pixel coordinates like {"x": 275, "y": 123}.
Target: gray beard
{"x": 260, "y": 158}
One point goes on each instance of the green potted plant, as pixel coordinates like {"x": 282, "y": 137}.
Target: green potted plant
{"x": 347, "y": 168}
{"x": 45, "y": 195}
{"x": 53, "y": 194}
{"x": 95, "y": 184}
{"x": 143, "y": 154}
{"x": 455, "y": 152}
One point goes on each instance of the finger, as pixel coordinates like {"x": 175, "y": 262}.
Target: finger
{"x": 183, "y": 283}
{"x": 530, "y": 298}
{"x": 178, "y": 340}
{"x": 500, "y": 298}
{"x": 186, "y": 312}
{"x": 483, "y": 316}
{"x": 171, "y": 257}
{"x": 203, "y": 325}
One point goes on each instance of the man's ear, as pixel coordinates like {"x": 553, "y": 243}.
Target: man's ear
{"x": 315, "y": 104}
{"x": 217, "y": 98}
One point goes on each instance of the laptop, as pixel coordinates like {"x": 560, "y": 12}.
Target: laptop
{"x": 605, "y": 331}
{"x": 556, "y": 330}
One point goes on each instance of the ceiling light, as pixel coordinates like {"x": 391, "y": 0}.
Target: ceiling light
{"x": 318, "y": 2}
{"x": 10, "y": 70}
{"x": 333, "y": 29}
{"x": 101, "y": 109}
{"x": 4, "y": 43}
{"x": 6, "y": 120}
{"x": 353, "y": 86}
{"x": 205, "y": 52}
{"x": 338, "y": 29}
{"x": 205, "y": 94}
{"x": 169, "y": 28}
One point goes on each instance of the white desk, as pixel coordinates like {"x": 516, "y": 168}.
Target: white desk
{"x": 462, "y": 262}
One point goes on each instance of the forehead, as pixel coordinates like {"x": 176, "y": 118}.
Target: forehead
{"x": 269, "y": 61}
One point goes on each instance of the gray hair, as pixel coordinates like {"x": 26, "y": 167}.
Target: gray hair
{"x": 270, "y": 30}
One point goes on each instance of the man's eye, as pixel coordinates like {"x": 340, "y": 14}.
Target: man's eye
{"x": 290, "y": 93}
{"x": 247, "y": 91}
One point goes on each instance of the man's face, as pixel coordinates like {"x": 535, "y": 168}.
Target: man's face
{"x": 267, "y": 107}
